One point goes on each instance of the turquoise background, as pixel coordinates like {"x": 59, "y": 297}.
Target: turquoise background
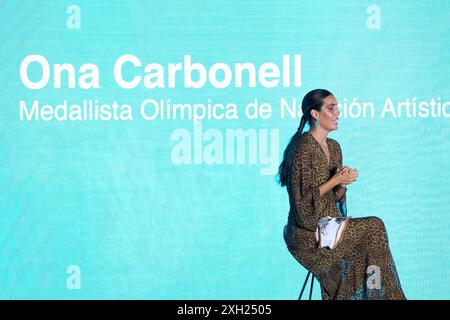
{"x": 105, "y": 195}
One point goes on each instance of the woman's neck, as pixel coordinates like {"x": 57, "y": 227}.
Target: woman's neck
{"x": 320, "y": 135}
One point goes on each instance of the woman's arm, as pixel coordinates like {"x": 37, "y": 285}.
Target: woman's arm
{"x": 327, "y": 186}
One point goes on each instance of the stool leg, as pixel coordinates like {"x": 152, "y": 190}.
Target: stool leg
{"x": 311, "y": 289}
{"x": 304, "y": 285}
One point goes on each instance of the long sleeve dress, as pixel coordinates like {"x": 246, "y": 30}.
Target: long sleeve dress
{"x": 360, "y": 266}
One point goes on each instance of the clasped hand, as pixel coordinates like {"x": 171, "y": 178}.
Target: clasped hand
{"x": 346, "y": 175}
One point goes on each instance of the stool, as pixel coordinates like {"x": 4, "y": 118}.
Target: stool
{"x": 304, "y": 285}
{"x": 307, "y": 276}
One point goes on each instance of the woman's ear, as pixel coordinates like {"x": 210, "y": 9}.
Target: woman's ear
{"x": 314, "y": 114}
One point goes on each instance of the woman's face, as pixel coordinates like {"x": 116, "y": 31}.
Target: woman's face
{"x": 329, "y": 114}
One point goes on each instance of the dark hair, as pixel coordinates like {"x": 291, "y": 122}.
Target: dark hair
{"x": 313, "y": 100}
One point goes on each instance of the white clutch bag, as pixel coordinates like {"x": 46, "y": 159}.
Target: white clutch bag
{"x": 329, "y": 231}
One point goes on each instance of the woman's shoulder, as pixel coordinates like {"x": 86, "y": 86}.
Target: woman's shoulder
{"x": 305, "y": 140}
{"x": 301, "y": 147}
{"x": 334, "y": 142}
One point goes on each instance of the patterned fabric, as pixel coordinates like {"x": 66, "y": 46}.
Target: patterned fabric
{"x": 360, "y": 266}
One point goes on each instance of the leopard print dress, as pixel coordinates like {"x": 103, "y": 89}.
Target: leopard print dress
{"x": 360, "y": 266}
